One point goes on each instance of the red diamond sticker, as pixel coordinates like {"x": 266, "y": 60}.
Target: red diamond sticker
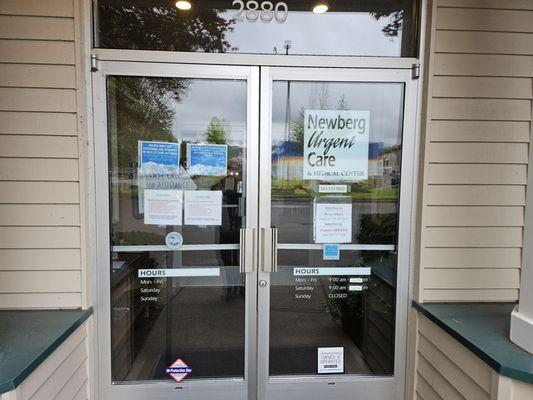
{"x": 178, "y": 370}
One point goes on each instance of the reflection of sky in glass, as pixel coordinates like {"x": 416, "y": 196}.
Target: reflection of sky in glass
{"x": 383, "y": 100}
{"x": 206, "y": 99}
{"x": 339, "y": 33}
{"x": 226, "y": 100}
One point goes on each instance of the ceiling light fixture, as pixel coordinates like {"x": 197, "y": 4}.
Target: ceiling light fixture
{"x": 183, "y": 5}
{"x": 320, "y": 8}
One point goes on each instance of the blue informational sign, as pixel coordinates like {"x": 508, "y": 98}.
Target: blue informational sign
{"x": 207, "y": 159}
{"x": 331, "y": 251}
{"x": 159, "y": 157}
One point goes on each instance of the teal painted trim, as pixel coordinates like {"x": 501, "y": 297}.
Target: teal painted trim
{"x": 483, "y": 328}
{"x": 16, "y": 377}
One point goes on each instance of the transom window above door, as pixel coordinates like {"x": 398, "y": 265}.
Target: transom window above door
{"x": 302, "y": 27}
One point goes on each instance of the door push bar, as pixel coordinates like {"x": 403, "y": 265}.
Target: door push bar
{"x": 247, "y": 249}
{"x": 268, "y": 238}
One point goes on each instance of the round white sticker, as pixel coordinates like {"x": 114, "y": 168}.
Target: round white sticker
{"x": 174, "y": 240}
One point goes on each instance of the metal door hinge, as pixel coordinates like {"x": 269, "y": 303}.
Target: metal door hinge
{"x": 415, "y": 71}
{"x": 95, "y": 63}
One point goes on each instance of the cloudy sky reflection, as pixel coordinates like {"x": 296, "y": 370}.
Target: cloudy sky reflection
{"x": 226, "y": 100}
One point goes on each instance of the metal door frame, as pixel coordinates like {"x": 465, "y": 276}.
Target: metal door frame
{"x": 339, "y": 386}
{"x": 256, "y": 383}
{"x": 187, "y": 389}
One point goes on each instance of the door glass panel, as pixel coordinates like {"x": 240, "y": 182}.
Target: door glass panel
{"x": 177, "y": 152}
{"x": 336, "y": 155}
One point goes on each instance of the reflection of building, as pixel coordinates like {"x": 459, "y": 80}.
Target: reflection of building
{"x": 375, "y": 158}
{"x": 392, "y": 161}
{"x": 390, "y": 169}
{"x": 287, "y": 160}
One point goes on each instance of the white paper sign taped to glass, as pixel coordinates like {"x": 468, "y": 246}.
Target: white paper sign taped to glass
{"x": 330, "y": 360}
{"x": 163, "y": 207}
{"x": 207, "y": 159}
{"x": 336, "y": 145}
{"x": 333, "y": 223}
{"x": 203, "y": 207}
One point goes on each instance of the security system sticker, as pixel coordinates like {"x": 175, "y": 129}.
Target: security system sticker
{"x": 178, "y": 370}
{"x": 174, "y": 240}
{"x": 330, "y": 360}
{"x": 331, "y": 251}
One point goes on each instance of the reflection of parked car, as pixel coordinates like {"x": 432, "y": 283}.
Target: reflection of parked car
{"x": 128, "y": 172}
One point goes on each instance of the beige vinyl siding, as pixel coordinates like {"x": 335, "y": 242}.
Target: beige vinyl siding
{"x": 446, "y": 369}
{"x": 62, "y": 376}
{"x": 40, "y": 216}
{"x": 479, "y": 102}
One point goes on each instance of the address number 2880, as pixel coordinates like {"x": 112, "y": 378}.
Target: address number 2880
{"x": 265, "y": 11}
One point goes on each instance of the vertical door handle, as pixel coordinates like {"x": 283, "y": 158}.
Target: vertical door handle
{"x": 269, "y": 249}
{"x": 246, "y": 249}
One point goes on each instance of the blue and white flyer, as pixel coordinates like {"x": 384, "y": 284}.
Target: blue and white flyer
{"x": 207, "y": 159}
{"x": 159, "y": 167}
{"x": 336, "y": 145}
{"x": 159, "y": 157}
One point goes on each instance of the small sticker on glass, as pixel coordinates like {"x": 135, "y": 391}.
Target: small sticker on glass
{"x": 331, "y": 360}
{"x": 174, "y": 240}
{"x": 331, "y": 251}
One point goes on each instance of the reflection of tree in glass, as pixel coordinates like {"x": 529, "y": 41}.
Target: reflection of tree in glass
{"x": 216, "y": 131}
{"x": 143, "y": 105}
{"x": 142, "y": 111}
{"x": 399, "y": 22}
{"x": 394, "y": 26}
{"x": 159, "y": 25}
{"x": 296, "y": 128}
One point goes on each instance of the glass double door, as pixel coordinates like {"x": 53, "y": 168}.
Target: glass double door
{"x": 251, "y": 240}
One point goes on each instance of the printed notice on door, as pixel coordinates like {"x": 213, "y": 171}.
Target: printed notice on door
{"x": 333, "y": 223}
{"x": 163, "y": 207}
{"x": 207, "y": 159}
{"x": 336, "y": 145}
{"x": 331, "y": 360}
{"x": 203, "y": 207}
